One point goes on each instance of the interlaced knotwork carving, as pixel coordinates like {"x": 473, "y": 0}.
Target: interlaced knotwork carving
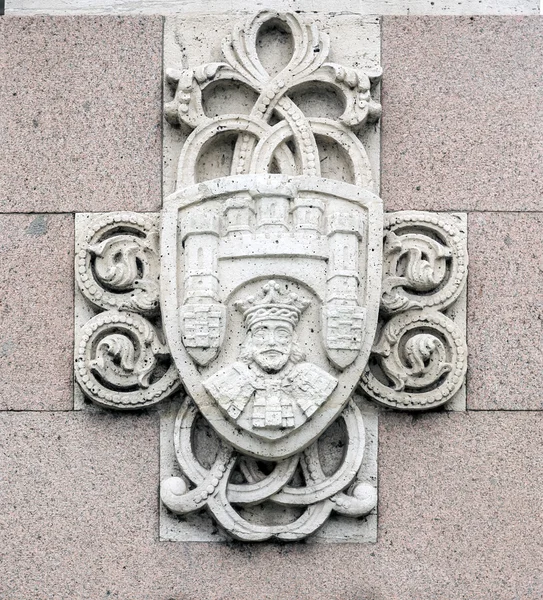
{"x": 258, "y": 141}
{"x": 321, "y": 494}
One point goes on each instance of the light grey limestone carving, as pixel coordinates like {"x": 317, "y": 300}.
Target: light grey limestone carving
{"x": 419, "y": 359}
{"x": 299, "y": 256}
{"x": 121, "y": 357}
{"x": 270, "y": 293}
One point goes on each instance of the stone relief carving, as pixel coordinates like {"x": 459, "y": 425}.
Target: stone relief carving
{"x": 419, "y": 358}
{"x": 121, "y": 357}
{"x": 280, "y": 294}
{"x": 271, "y": 374}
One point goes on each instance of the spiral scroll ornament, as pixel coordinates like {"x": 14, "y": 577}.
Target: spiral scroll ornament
{"x": 121, "y": 362}
{"x": 418, "y": 362}
{"x": 121, "y": 358}
{"x": 117, "y": 263}
{"x": 419, "y": 358}
{"x": 424, "y": 261}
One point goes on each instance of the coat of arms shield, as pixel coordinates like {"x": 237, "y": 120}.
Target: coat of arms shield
{"x": 270, "y": 290}
{"x": 270, "y": 276}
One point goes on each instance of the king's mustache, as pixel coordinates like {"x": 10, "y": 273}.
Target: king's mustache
{"x": 272, "y": 351}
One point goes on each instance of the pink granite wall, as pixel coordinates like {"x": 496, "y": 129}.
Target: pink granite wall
{"x": 460, "y": 494}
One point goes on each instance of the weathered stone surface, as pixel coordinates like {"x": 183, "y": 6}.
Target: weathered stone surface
{"x": 462, "y": 115}
{"x": 36, "y": 308}
{"x": 81, "y": 106}
{"x": 355, "y": 43}
{"x": 505, "y": 317}
{"x": 368, "y": 7}
{"x": 460, "y": 503}
{"x": 258, "y": 206}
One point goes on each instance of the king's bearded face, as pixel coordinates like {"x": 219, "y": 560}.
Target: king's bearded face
{"x": 271, "y": 344}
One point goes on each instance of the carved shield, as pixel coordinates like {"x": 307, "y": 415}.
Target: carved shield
{"x": 248, "y": 254}
{"x": 270, "y": 277}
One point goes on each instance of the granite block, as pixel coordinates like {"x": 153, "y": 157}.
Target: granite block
{"x": 505, "y": 311}
{"x": 460, "y": 517}
{"x": 36, "y": 312}
{"x": 77, "y": 496}
{"x": 461, "y": 504}
{"x": 462, "y": 119}
{"x": 81, "y": 106}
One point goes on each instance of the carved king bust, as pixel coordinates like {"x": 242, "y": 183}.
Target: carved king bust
{"x": 271, "y": 379}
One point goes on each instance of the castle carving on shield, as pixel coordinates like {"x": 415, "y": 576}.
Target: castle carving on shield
{"x": 272, "y": 220}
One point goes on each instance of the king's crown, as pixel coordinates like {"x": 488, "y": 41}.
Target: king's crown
{"x": 272, "y": 303}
